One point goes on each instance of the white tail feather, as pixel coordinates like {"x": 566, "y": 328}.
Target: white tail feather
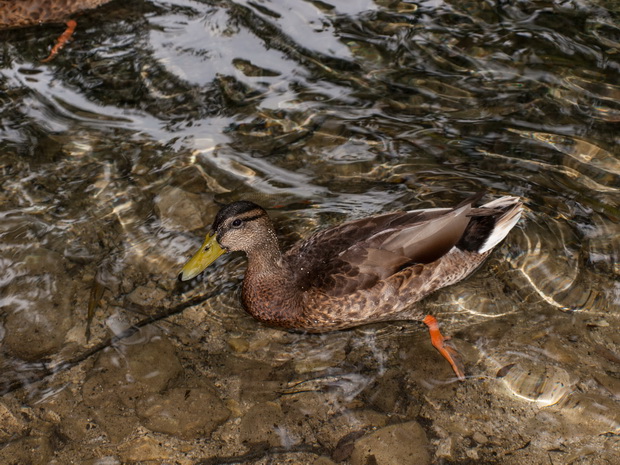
{"x": 505, "y": 223}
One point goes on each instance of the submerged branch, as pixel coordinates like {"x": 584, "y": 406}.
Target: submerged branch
{"x": 263, "y": 450}
{"x": 44, "y": 370}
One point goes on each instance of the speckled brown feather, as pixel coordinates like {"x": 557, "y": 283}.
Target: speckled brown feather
{"x": 363, "y": 271}
{"x": 356, "y": 255}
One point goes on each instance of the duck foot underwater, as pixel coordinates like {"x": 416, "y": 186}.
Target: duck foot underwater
{"x": 363, "y": 271}
{"x": 61, "y": 41}
{"x": 25, "y": 13}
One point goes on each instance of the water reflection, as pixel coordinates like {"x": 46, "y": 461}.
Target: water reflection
{"x": 113, "y": 156}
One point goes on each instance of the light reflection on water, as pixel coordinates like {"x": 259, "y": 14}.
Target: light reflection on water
{"x": 114, "y": 155}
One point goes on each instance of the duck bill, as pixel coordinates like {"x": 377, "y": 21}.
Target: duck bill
{"x": 208, "y": 253}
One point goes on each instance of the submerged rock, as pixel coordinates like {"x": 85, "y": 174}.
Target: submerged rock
{"x": 188, "y": 413}
{"x": 11, "y": 425}
{"x": 123, "y": 376}
{"x": 131, "y": 371}
{"x": 147, "y": 296}
{"x": 179, "y": 210}
{"x": 350, "y": 424}
{"x": 146, "y": 449}
{"x": 39, "y": 312}
{"x": 393, "y": 445}
{"x": 34, "y": 450}
{"x": 263, "y": 423}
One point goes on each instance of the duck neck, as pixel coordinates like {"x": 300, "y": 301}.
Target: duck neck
{"x": 268, "y": 292}
{"x": 265, "y": 259}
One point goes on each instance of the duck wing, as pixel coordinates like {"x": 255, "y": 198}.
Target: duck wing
{"x": 357, "y": 255}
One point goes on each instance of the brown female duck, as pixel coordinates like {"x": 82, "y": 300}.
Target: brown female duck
{"x": 22, "y": 13}
{"x": 360, "y": 272}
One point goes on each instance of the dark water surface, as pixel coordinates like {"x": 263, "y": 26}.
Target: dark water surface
{"x": 114, "y": 157}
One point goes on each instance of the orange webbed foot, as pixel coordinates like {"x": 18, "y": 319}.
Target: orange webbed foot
{"x": 62, "y": 40}
{"x": 438, "y": 341}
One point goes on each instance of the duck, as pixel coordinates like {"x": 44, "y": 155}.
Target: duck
{"x": 369, "y": 270}
{"x": 24, "y": 13}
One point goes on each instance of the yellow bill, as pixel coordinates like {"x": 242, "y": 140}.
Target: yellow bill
{"x": 208, "y": 253}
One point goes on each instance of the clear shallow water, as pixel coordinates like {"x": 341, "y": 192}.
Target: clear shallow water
{"x": 113, "y": 155}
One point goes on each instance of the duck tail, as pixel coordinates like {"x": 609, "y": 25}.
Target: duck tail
{"x": 490, "y": 224}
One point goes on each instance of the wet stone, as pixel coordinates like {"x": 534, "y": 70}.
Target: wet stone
{"x": 389, "y": 394}
{"x": 393, "y": 445}
{"x": 479, "y": 438}
{"x": 130, "y": 371}
{"x": 35, "y": 334}
{"x": 559, "y": 350}
{"x": 188, "y": 413}
{"x": 315, "y": 405}
{"x": 116, "y": 421}
{"x": 179, "y": 210}
{"x": 350, "y": 423}
{"x": 66, "y": 414}
{"x": 146, "y": 449}
{"x": 76, "y": 424}
{"x": 611, "y": 384}
{"x": 121, "y": 376}
{"x": 323, "y": 358}
{"x": 591, "y": 414}
{"x": 257, "y": 383}
{"x": 105, "y": 460}
{"x": 472, "y": 454}
{"x": 38, "y": 316}
{"x": 322, "y": 461}
{"x": 43, "y": 260}
{"x": 11, "y": 425}
{"x": 38, "y": 330}
{"x": 147, "y": 296}
{"x": 445, "y": 448}
{"x": 262, "y": 423}
{"x": 239, "y": 345}
{"x": 35, "y": 450}
{"x": 543, "y": 383}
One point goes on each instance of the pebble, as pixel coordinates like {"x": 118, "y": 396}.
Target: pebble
{"x": 179, "y": 210}
{"x": 11, "y": 426}
{"x": 445, "y": 448}
{"x": 31, "y": 450}
{"x": 472, "y": 454}
{"x": 612, "y": 385}
{"x": 257, "y": 383}
{"x": 239, "y": 345}
{"x": 147, "y": 296}
{"x": 321, "y": 359}
{"x": 323, "y": 461}
{"x": 479, "y": 438}
{"x": 145, "y": 449}
{"x": 264, "y": 422}
{"x": 389, "y": 395}
{"x": 558, "y": 350}
{"x": 404, "y": 443}
{"x": 592, "y": 413}
{"x": 42, "y": 260}
{"x": 123, "y": 375}
{"x": 130, "y": 371}
{"x": 188, "y": 413}
{"x": 350, "y": 422}
{"x": 38, "y": 328}
{"x": 37, "y": 315}
{"x": 105, "y": 460}
{"x": 116, "y": 421}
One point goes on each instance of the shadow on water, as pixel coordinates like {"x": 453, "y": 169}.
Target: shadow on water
{"x": 115, "y": 157}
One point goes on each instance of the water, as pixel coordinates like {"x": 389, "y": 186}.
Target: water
{"x": 114, "y": 154}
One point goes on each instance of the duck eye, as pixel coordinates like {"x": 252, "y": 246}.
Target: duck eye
{"x": 236, "y": 223}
